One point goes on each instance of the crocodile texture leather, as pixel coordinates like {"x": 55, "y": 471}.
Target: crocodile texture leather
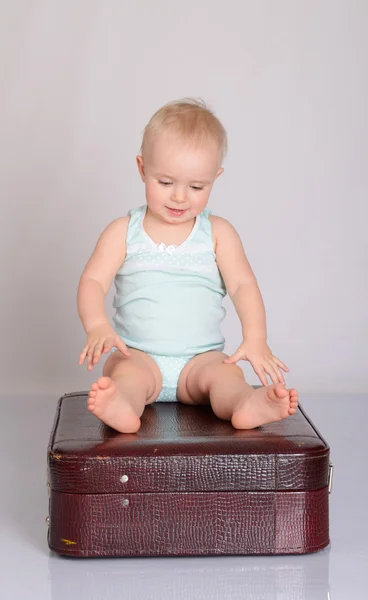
{"x": 187, "y": 483}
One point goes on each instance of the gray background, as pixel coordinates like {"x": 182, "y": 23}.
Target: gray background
{"x": 79, "y": 80}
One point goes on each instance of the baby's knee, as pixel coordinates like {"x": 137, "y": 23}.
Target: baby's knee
{"x": 136, "y": 374}
{"x": 114, "y": 359}
{"x": 233, "y": 368}
{"x": 218, "y": 369}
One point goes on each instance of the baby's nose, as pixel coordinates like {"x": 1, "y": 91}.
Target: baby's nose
{"x": 179, "y": 195}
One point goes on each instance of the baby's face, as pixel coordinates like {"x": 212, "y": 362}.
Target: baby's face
{"x": 178, "y": 176}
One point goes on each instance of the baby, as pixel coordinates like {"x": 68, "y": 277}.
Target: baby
{"x": 172, "y": 262}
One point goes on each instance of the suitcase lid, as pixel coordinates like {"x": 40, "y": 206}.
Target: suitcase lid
{"x": 182, "y": 448}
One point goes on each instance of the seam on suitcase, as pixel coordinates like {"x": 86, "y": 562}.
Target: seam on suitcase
{"x": 81, "y": 458}
{"x": 191, "y": 492}
{"x": 313, "y": 427}
{"x": 175, "y": 443}
{"x": 65, "y": 551}
{"x": 260, "y": 437}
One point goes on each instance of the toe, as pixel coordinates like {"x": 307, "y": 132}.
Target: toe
{"x": 280, "y": 390}
{"x": 94, "y": 386}
{"x": 104, "y": 382}
{"x": 276, "y": 391}
{"x": 92, "y": 394}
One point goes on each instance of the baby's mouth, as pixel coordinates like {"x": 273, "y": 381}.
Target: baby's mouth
{"x": 176, "y": 211}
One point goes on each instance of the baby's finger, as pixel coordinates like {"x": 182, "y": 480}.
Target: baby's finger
{"x": 234, "y": 358}
{"x": 97, "y": 352}
{"x": 107, "y": 345}
{"x": 279, "y": 373}
{"x": 83, "y": 355}
{"x": 280, "y": 364}
{"x": 90, "y": 355}
{"x": 122, "y": 347}
{"x": 271, "y": 370}
{"x": 261, "y": 375}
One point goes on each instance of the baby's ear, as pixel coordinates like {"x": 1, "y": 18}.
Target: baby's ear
{"x": 219, "y": 172}
{"x": 140, "y": 163}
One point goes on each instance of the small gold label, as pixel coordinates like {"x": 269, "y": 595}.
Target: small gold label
{"x": 68, "y": 542}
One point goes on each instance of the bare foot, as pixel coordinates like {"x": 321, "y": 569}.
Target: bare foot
{"x": 265, "y": 405}
{"x": 107, "y": 403}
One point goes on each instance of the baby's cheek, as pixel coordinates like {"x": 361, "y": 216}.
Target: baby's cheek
{"x": 155, "y": 194}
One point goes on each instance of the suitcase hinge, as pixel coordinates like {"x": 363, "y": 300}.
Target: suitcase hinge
{"x": 330, "y": 475}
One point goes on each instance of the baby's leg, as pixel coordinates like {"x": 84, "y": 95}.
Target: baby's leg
{"x": 128, "y": 385}
{"x": 231, "y": 397}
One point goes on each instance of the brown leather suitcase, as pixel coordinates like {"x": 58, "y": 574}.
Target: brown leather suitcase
{"x": 187, "y": 483}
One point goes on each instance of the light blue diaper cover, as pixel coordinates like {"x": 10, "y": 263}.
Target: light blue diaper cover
{"x": 168, "y": 299}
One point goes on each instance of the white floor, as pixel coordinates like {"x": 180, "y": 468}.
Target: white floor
{"x": 29, "y": 570}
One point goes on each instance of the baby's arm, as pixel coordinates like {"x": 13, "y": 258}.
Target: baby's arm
{"x": 94, "y": 284}
{"x": 244, "y": 292}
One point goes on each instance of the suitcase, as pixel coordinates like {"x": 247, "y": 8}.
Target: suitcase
{"x": 187, "y": 483}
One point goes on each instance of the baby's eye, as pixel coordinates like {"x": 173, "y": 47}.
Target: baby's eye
{"x": 165, "y": 182}
{"x": 194, "y": 187}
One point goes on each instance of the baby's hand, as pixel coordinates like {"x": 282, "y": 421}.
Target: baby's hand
{"x": 262, "y": 360}
{"x": 99, "y": 340}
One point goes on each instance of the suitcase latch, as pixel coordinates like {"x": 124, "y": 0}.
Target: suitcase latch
{"x": 330, "y": 475}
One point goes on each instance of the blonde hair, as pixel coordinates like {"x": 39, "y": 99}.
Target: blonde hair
{"x": 189, "y": 118}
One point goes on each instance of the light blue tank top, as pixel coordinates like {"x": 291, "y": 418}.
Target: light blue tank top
{"x": 168, "y": 299}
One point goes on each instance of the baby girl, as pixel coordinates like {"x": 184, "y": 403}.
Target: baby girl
{"x": 172, "y": 263}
